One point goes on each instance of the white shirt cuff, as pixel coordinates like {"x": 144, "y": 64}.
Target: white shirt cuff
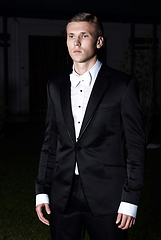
{"x": 128, "y": 209}
{"x": 42, "y": 198}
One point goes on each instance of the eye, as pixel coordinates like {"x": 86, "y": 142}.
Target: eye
{"x": 71, "y": 36}
{"x": 85, "y": 36}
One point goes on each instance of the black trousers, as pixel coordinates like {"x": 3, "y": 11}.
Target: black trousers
{"x": 72, "y": 224}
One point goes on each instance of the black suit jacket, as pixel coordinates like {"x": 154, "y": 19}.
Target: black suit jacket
{"x": 112, "y": 119}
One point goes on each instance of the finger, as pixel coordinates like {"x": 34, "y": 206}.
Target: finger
{"x": 131, "y": 222}
{"x": 126, "y": 222}
{"x": 123, "y": 221}
{"x": 40, "y": 214}
{"x": 43, "y": 219}
{"x": 47, "y": 208}
{"x": 119, "y": 215}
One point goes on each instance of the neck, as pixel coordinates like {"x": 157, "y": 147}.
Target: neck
{"x": 81, "y": 68}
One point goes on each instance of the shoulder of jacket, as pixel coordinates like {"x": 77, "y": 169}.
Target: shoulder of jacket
{"x": 121, "y": 77}
{"x": 56, "y": 80}
{"x": 120, "y": 74}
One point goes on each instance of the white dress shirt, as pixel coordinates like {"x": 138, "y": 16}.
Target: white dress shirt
{"x": 81, "y": 87}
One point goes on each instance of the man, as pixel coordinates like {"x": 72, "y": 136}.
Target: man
{"x": 83, "y": 170}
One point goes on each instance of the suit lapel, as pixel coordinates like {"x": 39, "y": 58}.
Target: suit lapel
{"x": 101, "y": 84}
{"x": 65, "y": 94}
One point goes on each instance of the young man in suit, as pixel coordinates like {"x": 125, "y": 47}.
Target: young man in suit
{"x": 84, "y": 173}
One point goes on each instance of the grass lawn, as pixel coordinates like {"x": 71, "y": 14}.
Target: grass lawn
{"x": 19, "y": 157}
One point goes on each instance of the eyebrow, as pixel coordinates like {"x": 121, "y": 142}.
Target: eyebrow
{"x": 80, "y": 33}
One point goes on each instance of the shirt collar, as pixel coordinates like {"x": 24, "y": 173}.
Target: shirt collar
{"x": 93, "y": 72}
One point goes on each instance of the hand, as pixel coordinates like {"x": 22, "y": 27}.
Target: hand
{"x": 125, "y": 221}
{"x": 39, "y": 210}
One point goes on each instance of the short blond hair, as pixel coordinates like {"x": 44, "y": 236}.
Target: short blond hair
{"x": 87, "y": 17}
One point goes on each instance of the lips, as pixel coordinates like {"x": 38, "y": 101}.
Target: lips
{"x": 77, "y": 51}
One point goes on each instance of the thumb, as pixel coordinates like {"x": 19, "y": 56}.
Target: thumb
{"x": 119, "y": 215}
{"x": 47, "y": 208}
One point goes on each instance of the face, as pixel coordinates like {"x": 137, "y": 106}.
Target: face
{"x": 82, "y": 41}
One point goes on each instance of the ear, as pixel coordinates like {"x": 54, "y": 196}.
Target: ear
{"x": 100, "y": 42}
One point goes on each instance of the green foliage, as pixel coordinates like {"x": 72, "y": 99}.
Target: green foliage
{"x": 143, "y": 64}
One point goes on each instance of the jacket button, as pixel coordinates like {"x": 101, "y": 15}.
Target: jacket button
{"x": 79, "y": 148}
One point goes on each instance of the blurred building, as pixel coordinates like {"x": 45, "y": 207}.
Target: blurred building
{"x": 33, "y": 47}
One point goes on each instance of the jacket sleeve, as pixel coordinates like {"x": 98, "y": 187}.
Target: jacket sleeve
{"x": 135, "y": 140}
{"x": 48, "y": 152}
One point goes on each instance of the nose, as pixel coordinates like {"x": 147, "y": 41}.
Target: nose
{"x": 77, "y": 42}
